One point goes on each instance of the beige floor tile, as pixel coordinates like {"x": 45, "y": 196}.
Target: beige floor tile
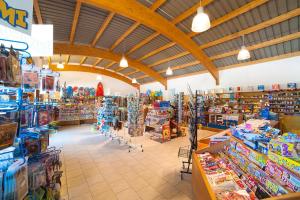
{"x": 119, "y": 186}
{"x": 82, "y": 197}
{"x": 138, "y": 183}
{"x": 148, "y": 193}
{"x": 78, "y": 191}
{"x": 107, "y": 195}
{"x": 91, "y": 180}
{"x": 156, "y": 182}
{"x": 96, "y": 168}
{"x": 99, "y": 188}
{"x": 168, "y": 191}
{"x": 128, "y": 194}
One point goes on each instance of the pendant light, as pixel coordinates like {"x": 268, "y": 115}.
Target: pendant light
{"x": 60, "y": 65}
{"x": 169, "y": 71}
{"x": 123, "y": 61}
{"x": 244, "y": 54}
{"x": 99, "y": 78}
{"x": 134, "y": 81}
{"x": 201, "y": 21}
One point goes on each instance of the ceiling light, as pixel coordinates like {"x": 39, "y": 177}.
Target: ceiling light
{"x": 244, "y": 53}
{"x": 99, "y": 78}
{"x": 134, "y": 81}
{"x": 123, "y": 62}
{"x": 169, "y": 71}
{"x": 60, "y": 65}
{"x": 201, "y": 21}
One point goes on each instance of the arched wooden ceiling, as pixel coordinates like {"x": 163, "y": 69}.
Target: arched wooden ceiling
{"x": 157, "y": 32}
{"x": 141, "y": 14}
{"x": 60, "y": 48}
{"x": 79, "y": 68}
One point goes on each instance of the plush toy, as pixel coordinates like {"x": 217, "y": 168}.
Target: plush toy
{"x": 100, "y": 90}
{"x": 92, "y": 92}
{"x": 81, "y": 91}
{"x": 69, "y": 92}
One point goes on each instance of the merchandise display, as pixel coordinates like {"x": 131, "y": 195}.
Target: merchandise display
{"x": 135, "y": 116}
{"x": 158, "y": 123}
{"x": 105, "y": 117}
{"x": 24, "y": 130}
{"x": 257, "y": 159}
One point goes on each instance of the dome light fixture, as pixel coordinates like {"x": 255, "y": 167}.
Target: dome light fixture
{"x": 123, "y": 62}
{"x": 99, "y": 78}
{"x": 60, "y": 65}
{"x": 169, "y": 71}
{"x": 201, "y": 21}
{"x": 244, "y": 53}
{"x": 134, "y": 81}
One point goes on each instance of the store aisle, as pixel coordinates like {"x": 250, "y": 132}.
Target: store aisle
{"x": 95, "y": 168}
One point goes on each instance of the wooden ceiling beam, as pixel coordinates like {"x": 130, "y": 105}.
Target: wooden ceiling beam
{"x": 67, "y": 59}
{"x": 265, "y": 24}
{"x": 235, "y": 52}
{"x": 174, "y": 68}
{"x": 169, "y": 58}
{"x": 83, "y": 60}
{"x": 151, "y": 19}
{"x": 283, "y": 56}
{"x": 37, "y": 10}
{"x": 95, "y": 70}
{"x": 247, "y": 7}
{"x": 154, "y": 6}
{"x": 142, "y": 43}
{"x": 156, "y": 51}
{"x": 75, "y": 21}
{"x": 220, "y": 20}
{"x": 190, "y": 11}
{"x": 120, "y": 39}
{"x": 259, "y": 45}
{"x": 110, "y": 65}
{"x": 102, "y": 29}
{"x": 157, "y": 4}
{"x": 80, "y": 50}
{"x": 97, "y": 62}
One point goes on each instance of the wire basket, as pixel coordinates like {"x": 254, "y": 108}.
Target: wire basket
{"x": 184, "y": 152}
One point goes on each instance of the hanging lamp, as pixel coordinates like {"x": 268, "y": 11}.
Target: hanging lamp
{"x": 201, "y": 21}
{"x": 244, "y": 53}
{"x": 60, "y": 65}
{"x": 169, "y": 71}
{"x": 99, "y": 78}
{"x": 123, "y": 61}
{"x": 134, "y": 81}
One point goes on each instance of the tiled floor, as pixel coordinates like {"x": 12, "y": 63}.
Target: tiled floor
{"x": 97, "y": 168}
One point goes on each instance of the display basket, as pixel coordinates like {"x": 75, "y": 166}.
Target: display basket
{"x": 184, "y": 152}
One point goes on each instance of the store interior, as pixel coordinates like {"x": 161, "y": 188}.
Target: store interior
{"x": 150, "y": 100}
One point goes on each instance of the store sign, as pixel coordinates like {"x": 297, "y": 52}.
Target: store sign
{"x": 17, "y": 15}
{"x": 40, "y": 42}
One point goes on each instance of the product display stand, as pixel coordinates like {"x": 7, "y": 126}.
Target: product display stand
{"x": 106, "y": 116}
{"x": 135, "y": 121}
{"x": 193, "y": 127}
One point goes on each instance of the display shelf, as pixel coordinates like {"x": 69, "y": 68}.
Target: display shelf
{"x": 200, "y": 184}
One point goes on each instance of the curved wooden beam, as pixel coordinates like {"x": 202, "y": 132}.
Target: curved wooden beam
{"x": 141, "y": 14}
{"x": 62, "y": 48}
{"x": 79, "y": 68}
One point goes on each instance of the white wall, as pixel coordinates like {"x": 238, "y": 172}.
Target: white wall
{"x": 280, "y": 71}
{"x": 84, "y": 79}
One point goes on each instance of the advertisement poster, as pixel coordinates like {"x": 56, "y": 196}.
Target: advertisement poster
{"x": 30, "y": 79}
{"x": 48, "y": 83}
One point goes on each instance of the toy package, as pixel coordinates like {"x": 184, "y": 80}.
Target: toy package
{"x": 286, "y": 149}
{"x": 285, "y": 177}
